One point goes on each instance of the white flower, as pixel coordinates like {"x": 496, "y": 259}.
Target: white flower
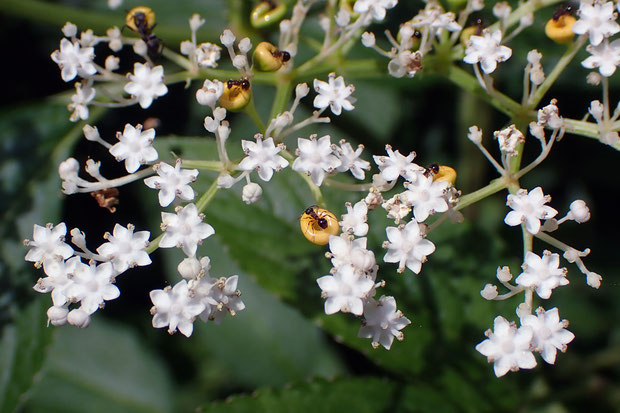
{"x": 598, "y": 20}
{"x": 191, "y": 268}
{"x": 220, "y": 296}
{"x": 59, "y": 277}
{"x": 315, "y": 158}
{"x": 207, "y": 54}
{"x": 175, "y": 308}
{"x": 334, "y": 94}
{"x": 112, "y": 63}
{"x": 227, "y": 38}
{"x": 347, "y": 251}
{"x": 542, "y": 274}
{"x": 407, "y": 247}
{"x": 135, "y": 147}
{"x": 114, "y": 4}
{"x": 489, "y": 292}
{"x": 368, "y": 39}
{"x": 345, "y": 290}
{"x": 210, "y": 92}
{"x": 184, "y": 229}
{"x": 116, "y": 39}
{"x": 382, "y": 322}
{"x": 196, "y": 22}
{"x": 404, "y": 63}
{"x": 605, "y": 56}
{"x": 487, "y": 50}
{"x": 376, "y": 8}
{"x": 529, "y": 208}
{"x": 550, "y": 116}
{"x": 395, "y": 164}
{"x": 48, "y": 243}
{"x": 79, "y": 102}
{"x": 69, "y": 29}
{"x": 426, "y": 196}
{"x": 125, "y": 249}
{"x": 146, "y": 84}
{"x": 350, "y": 160}
{"x": 397, "y": 208}
{"x": 550, "y": 333}
{"x": 475, "y": 135}
{"x": 92, "y": 285}
{"x": 172, "y": 181}
{"x": 507, "y": 347}
{"x": 262, "y": 156}
{"x": 501, "y": 10}
{"x": 73, "y": 60}
{"x": 354, "y": 221}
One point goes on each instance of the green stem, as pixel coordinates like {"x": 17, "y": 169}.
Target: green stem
{"x": 251, "y": 111}
{"x": 283, "y": 95}
{"x": 494, "y": 186}
{"x": 206, "y": 198}
{"x": 207, "y": 165}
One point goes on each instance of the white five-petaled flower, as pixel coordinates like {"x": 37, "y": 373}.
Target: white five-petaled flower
{"x": 605, "y": 57}
{"x": 125, "y": 248}
{"x": 542, "y": 274}
{"x": 350, "y": 160}
{"x": 407, "y": 246}
{"x": 345, "y": 290}
{"x": 550, "y": 333}
{"x": 74, "y": 60}
{"x": 146, "y": 84}
{"x": 345, "y": 251}
{"x": 382, "y": 322}
{"x": 404, "y": 63}
{"x": 598, "y": 20}
{"x": 172, "y": 181}
{"x": 376, "y": 8}
{"x": 354, "y": 221}
{"x": 59, "y": 277}
{"x": 262, "y": 155}
{"x": 487, "y": 50}
{"x": 333, "y": 93}
{"x": 48, "y": 243}
{"x": 207, "y": 54}
{"x": 426, "y": 196}
{"x": 176, "y": 308}
{"x": 395, "y": 164}
{"x": 79, "y": 102}
{"x": 507, "y": 347}
{"x": 220, "y": 296}
{"x": 184, "y": 229}
{"x": 315, "y": 158}
{"x": 92, "y": 285}
{"x": 135, "y": 147}
{"x": 210, "y": 92}
{"x": 529, "y": 208}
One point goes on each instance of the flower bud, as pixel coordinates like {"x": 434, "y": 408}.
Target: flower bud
{"x": 593, "y": 279}
{"x": 236, "y": 94}
{"x": 475, "y": 135}
{"x": 78, "y": 318}
{"x": 189, "y": 268}
{"x": 68, "y": 169}
{"x": 503, "y": 274}
{"x": 57, "y": 315}
{"x": 267, "y": 57}
{"x": 267, "y": 13}
{"x": 489, "y": 292}
{"x": 91, "y": 133}
{"x": 579, "y": 211}
{"x": 69, "y": 29}
{"x": 251, "y": 193}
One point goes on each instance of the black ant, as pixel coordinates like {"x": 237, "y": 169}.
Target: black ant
{"x": 242, "y": 83}
{"x": 322, "y": 222}
{"x": 432, "y": 169}
{"x": 563, "y": 10}
{"x": 142, "y": 21}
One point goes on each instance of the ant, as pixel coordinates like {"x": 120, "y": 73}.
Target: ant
{"x": 243, "y": 83}
{"x": 142, "y": 21}
{"x": 432, "y": 169}
{"x": 322, "y": 222}
{"x": 563, "y": 10}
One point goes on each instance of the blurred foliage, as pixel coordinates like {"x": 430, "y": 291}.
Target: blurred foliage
{"x": 282, "y": 353}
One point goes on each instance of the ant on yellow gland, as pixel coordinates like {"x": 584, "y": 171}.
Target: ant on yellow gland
{"x": 141, "y": 20}
{"x": 317, "y": 224}
{"x": 560, "y": 27}
{"x": 236, "y": 94}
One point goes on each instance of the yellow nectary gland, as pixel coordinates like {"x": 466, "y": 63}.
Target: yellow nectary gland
{"x": 141, "y": 15}
{"x": 267, "y": 57}
{"x": 560, "y": 30}
{"x": 445, "y": 173}
{"x": 236, "y": 95}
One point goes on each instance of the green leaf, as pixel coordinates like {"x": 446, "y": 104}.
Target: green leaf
{"x": 102, "y": 368}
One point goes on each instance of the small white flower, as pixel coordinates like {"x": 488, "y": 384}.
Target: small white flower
{"x": 550, "y": 333}
{"x": 333, "y": 93}
{"x": 48, "y": 243}
{"x": 550, "y": 116}
{"x": 395, "y": 164}
{"x": 73, "y": 60}
{"x": 92, "y": 285}
{"x": 116, "y": 39}
{"x": 509, "y": 139}
{"x": 191, "y": 268}
{"x": 196, "y": 22}
{"x": 347, "y": 251}
{"x": 112, "y": 63}
{"x": 475, "y": 135}
{"x": 79, "y": 102}
{"x": 315, "y": 158}
{"x": 69, "y": 29}
{"x": 345, "y": 290}
{"x": 407, "y": 246}
{"x": 404, "y": 63}
{"x": 542, "y": 274}
{"x": 426, "y": 196}
{"x": 382, "y": 322}
{"x": 537, "y": 74}
{"x": 172, "y": 181}
{"x": 207, "y": 54}
{"x": 502, "y": 10}
{"x": 489, "y": 292}
{"x": 210, "y": 92}
{"x": 368, "y": 39}
{"x": 251, "y": 193}
{"x": 175, "y": 308}
{"x": 227, "y": 38}
{"x": 125, "y": 249}
{"x": 487, "y": 50}
{"x": 146, "y": 84}
{"x": 529, "y": 208}
{"x": 262, "y": 156}
{"x": 507, "y": 347}
{"x": 59, "y": 277}
{"x": 605, "y": 57}
{"x": 354, "y": 221}
{"x": 593, "y": 279}
{"x": 376, "y": 8}
{"x": 598, "y": 20}
{"x": 220, "y": 296}
{"x": 350, "y": 160}
{"x": 397, "y": 208}
{"x": 135, "y": 147}
{"x": 184, "y": 229}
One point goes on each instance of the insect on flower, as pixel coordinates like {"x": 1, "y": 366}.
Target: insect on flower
{"x": 317, "y": 224}
{"x": 141, "y": 20}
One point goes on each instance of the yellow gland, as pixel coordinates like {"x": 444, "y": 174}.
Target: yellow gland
{"x": 140, "y": 18}
{"x": 560, "y": 30}
{"x": 267, "y": 13}
{"x": 445, "y": 173}
{"x": 317, "y": 224}
{"x": 236, "y": 95}
{"x": 267, "y": 57}
{"x": 467, "y": 33}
